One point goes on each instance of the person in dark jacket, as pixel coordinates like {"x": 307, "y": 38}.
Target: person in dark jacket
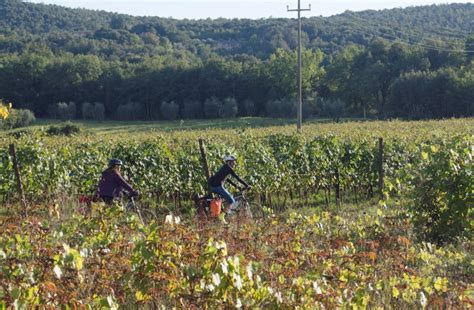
{"x": 216, "y": 182}
{"x": 112, "y": 183}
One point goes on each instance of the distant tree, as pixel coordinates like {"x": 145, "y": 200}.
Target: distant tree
{"x": 229, "y": 108}
{"x": 192, "y": 109}
{"x": 333, "y": 109}
{"x": 95, "y": 111}
{"x": 99, "y": 112}
{"x": 118, "y": 22}
{"x": 281, "y": 108}
{"x": 87, "y": 110}
{"x": 281, "y": 71}
{"x": 249, "y": 107}
{"x": 169, "y": 110}
{"x": 436, "y": 94}
{"x": 131, "y": 111}
{"x": 62, "y": 110}
{"x": 469, "y": 46}
{"x": 212, "y": 107}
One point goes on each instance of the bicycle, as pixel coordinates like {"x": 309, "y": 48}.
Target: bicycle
{"x": 145, "y": 215}
{"x": 243, "y": 208}
{"x": 85, "y": 204}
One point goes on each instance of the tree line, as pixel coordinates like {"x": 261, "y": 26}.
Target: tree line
{"x": 382, "y": 80}
{"x": 119, "y": 76}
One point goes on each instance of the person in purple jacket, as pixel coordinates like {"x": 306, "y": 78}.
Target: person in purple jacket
{"x": 112, "y": 183}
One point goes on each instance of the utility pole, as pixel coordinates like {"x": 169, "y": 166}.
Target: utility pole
{"x": 299, "y": 104}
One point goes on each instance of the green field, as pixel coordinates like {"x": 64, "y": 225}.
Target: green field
{"x": 329, "y": 238}
{"x": 144, "y": 126}
{"x": 261, "y": 126}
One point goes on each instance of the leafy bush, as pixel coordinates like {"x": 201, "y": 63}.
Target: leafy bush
{"x": 19, "y": 118}
{"x": 443, "y": 202}
{"x": 169, "y": 110}
{"x": 66, "y": 129}
{"x": 212, "y": 107}
{"x": 229, "y": 108}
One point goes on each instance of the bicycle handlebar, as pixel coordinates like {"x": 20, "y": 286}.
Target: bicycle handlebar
{"x": 243, "y": 190}
{"x": 130, "y": 195}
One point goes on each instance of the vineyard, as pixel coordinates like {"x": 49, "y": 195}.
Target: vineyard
{"x": 356, "y": 215}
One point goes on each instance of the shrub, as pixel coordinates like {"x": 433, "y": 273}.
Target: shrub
{"x": 17, "y": 134}
{"x": 212, "y": 107}
{"x": 333, "y": 109}
{"x": 283, "y": 108}
{"x": 94, "y": 111}
{"x": 19, "y": 118}
{"x": 442, "y": 191}
{"x": 62, "y": 110}
{"x": 4, "y": 110}
{"x": 66, "y": 129}
{"x": 129, "y": 112}
{"x": 169, "y": 110}
{"x": 249, "y": 107}
{"x": 99, "y": 112}
{"x": 87, "y": 110}
{"x": 53, "y": 110}
{"x": 192, "y": 109}
{"x": 229, "y": 108}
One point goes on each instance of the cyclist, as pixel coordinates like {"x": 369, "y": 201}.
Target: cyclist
{"x": 216, "y": 182}
{"x": 112, "y": 183}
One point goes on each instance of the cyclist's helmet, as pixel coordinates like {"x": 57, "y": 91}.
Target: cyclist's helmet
{"x": 229, "y": 157}
{"x": 115, "y": 162}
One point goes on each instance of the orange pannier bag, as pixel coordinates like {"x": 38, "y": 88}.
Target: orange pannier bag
{"x": 216, "y": 207}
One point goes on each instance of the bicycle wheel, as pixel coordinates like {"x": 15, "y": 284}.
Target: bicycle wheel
{"x": 241, "y": 212}
{"x": 256, "y": 210}
{"x": 201, "y": 213}
{"x": 147, "y": 216}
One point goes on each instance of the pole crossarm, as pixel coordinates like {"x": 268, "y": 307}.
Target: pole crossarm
{"x": 297, "y": 10}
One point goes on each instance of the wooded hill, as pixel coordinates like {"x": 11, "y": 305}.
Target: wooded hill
{"x": 356, "y": 63}
{"x": 79, "y": 31}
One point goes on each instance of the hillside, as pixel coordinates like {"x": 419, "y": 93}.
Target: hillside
{"x": 26, "y": 25}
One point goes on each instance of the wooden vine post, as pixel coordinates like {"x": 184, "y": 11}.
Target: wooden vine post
{"x": 338, "y": 188}
{"x": 19, "y": 183}
{"x": 204, "y": 164}
{"x": 380, "y": 167}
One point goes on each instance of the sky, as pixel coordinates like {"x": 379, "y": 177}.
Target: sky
{"x": 254, "y": 9}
